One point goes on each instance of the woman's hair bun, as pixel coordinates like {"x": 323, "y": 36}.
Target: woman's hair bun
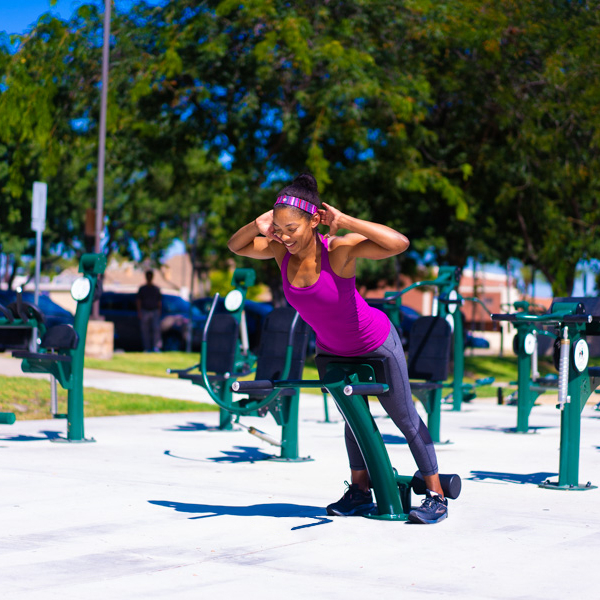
{"x": 307, "y": 181}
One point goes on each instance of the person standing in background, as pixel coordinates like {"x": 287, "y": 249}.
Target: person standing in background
{"x": 149, "y": 305}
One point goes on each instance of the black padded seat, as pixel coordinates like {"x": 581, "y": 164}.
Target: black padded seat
{"x": 429, "y": 350}
{"x": 379, "y": 364}
{"x": 60, "y": 337}
{"x": 270, "y": 357}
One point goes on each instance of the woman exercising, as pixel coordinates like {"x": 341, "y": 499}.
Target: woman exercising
{"x": 319, "y": 281}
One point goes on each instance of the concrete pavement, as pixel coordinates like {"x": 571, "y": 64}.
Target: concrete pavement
{"x": 165, "y": 506}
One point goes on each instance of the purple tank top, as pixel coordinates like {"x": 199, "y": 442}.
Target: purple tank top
{"x": 344, "y": 323}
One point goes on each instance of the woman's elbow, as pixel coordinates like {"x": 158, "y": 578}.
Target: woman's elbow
{"x": 402, "y": 244}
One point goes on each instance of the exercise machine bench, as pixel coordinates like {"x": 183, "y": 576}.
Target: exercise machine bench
{"x": 349, "y": 381}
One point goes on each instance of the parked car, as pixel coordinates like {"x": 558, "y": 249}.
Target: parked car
{"x": 255, "y": 315}
{"x": 53, "y": 313}
{"x": 121, "y": 309}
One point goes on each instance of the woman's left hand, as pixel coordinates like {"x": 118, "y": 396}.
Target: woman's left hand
{"x": 331, "y": 217}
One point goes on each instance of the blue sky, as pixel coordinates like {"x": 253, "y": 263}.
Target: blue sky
{"x": 19, "y": 16}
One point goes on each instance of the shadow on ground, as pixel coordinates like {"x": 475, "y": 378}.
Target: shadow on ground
{"x": 44, "y": 437}
{"x": 533, "y": 478}
{"x": 532, "y": 428}
{"x": 238, "y": 454}
{"x": 202, "y": 511}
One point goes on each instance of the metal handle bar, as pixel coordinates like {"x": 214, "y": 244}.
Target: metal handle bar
{"x": 366, "y": 389}
{"x": 557, "y": 317}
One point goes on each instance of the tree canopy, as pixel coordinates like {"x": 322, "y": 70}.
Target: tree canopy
{"x": 471, "y": 126}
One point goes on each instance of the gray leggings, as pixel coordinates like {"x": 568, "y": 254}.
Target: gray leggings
{"x": 399, "y": 405}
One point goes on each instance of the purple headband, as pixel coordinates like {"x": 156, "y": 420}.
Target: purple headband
{"x": 297, "y": 202}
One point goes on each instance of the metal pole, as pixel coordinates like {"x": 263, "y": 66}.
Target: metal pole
{"x": 102, "y": 137}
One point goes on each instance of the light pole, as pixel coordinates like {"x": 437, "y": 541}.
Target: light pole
{"x": 102, "y": 138}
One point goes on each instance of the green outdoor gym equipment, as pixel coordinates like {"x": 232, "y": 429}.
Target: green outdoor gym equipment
{"x": 243, "y": 361}
{"x": 348, "y": 381}
{"x": 20, "y": 325}
{"x": 576, "y": 380}
{"x": 448, "y": 301}
{"x": 282, "y": 351}
{"x": 62, "y": 348}
{"x": 525, "y": 344}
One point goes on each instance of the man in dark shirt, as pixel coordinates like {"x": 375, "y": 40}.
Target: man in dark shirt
{"x": 149, "y": 306}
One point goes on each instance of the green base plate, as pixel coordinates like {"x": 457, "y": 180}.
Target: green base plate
{"x": 553, "y": 485}
{"x": 281, "y": 459}
{"x": 401, "y": 517}
{"x": 67, "y": 441}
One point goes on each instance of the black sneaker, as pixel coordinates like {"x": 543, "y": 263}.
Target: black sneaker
{"x": 433, "y": 510}
{"x": 354, "y": 502}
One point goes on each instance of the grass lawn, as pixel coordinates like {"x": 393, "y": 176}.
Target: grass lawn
{"x": 145, "y": 363}
{"x": 29, "y": 398}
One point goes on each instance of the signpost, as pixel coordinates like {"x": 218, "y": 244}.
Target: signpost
{"x": 38, "y": 224}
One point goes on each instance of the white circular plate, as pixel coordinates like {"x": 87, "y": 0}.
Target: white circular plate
{"x": 453, "y": 297}
{"x": 80, "y": 289}
{"x": 581, "y": 355}
{"x": 233, "y": 300}
{"x": 529, "y": 343}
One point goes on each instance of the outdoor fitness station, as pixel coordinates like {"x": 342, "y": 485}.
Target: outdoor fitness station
{"x": 20, "y": 325}
{"x": 235, "y": 360}
{"x": 223, "y": 360}
{"x": 61, "y": 349}
{"x": 573, "y": 319}
{"x": 350, "y": 382}
{"x": 448, "y": 301}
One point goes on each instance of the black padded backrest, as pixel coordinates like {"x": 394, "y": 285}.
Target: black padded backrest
{"x": 273, "y": 344}
{"x": 222, "y": 343}
{"x": 60, "y": 337}
{"x": 429, "y": 349}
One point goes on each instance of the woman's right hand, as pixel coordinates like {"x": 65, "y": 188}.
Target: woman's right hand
{"x": 265, "y": 226}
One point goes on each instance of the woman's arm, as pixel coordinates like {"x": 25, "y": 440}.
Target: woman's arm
{"x": 255, "y": 239}
{"x": 367, "y": 240}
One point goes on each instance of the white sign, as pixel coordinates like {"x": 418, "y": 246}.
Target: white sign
{"x": 38, "y": 207}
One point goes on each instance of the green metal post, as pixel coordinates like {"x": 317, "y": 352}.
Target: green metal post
{"x": 459, "y": 362}
{"x": 91, "y": 265}
{"x": 368, "y": 438}
{"x": 525, "y": 397}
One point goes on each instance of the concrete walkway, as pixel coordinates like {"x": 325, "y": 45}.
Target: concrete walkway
{"x": 165, "y": 506}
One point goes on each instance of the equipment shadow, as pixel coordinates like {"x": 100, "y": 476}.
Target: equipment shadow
{"x": 532, "y": 428}
{"x": 279, "y": 510}
{"x": 521, "y": 479}
{"x": 45, "y": 436}
{"x": 239, "y": 454}
{"x": 194, "y": 427}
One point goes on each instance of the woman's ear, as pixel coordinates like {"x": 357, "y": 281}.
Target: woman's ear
{"x": 315, "y": 220}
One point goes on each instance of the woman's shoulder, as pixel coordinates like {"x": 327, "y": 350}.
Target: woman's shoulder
{"x": 344, "y": 241}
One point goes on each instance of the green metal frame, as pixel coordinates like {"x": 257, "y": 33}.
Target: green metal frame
{"x": 283, "y": 408}
{"x": 449, "y": 302}
{"x": 70, "y": 374}
{"x": 573, "y": 326}
{"x": 244, "y": 362}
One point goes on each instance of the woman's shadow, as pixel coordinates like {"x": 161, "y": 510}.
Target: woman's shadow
{"x": 257, "y": 510}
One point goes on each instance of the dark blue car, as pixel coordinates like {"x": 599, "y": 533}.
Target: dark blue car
{"x": 121, "y": 309}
